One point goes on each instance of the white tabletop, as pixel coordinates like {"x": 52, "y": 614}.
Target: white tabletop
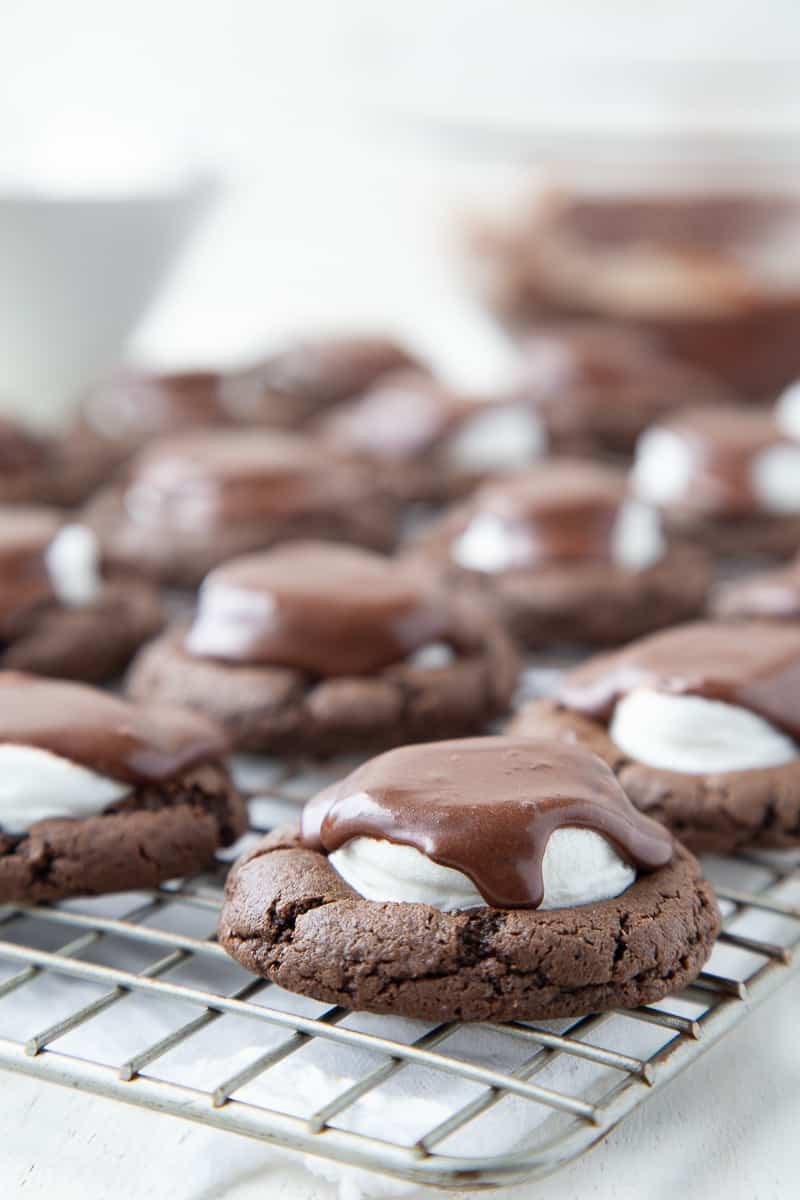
{"x": 727, "y": 1127}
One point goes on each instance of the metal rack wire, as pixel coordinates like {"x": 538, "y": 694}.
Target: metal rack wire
{"x": 93, "y": 974}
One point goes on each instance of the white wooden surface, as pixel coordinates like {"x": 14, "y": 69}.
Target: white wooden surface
{"x": 727, "y": 1128}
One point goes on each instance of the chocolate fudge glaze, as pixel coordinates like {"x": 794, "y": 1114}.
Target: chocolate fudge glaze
{"x": 486, "y": 807}
{"x": 214, "y": 478}
{"x": 25, "y": 583}
{"x": 724, "y": 443}
{"x": 753, "y": 664}
{"x": 406, "y": 413}
{"x": 317, "y": 607}
{"x": 561, "y": 510}
{"x": 133, "y": 406}
{"x": 99, "y": 731}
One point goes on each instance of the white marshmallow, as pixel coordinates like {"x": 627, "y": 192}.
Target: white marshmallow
{"x": 432, "y": 656}
{"x": 225, "y": 618}
{"x": 489, "y": 545}
{"x": 663, "y": 468}
{"x": 36, "y": 785}
{"x": 579, "y": 867}
{"x": 636, "y": 539}
{"x": 787, "y": 411}
{"x": 696, "y": 736}
{"x": 73, "y": 564}
{"x": 500, "y": 439}
{"x": 776, "y": 479}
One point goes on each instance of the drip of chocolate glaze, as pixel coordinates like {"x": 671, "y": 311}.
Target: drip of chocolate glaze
{"x": 724, "y": 442}
{"x": 317, "y": 607}
{"x": 486, "y": 807}
{"x": 753, "y": 664}
{"x": 108, "y": 735}
{"x": 25, "y": 583}
{"x": 211, "y": 479}
{"x": 558, "y": 511}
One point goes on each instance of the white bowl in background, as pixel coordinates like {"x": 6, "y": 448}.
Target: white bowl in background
{"x": 77, "y": 271}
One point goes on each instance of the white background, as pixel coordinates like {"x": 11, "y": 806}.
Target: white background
{"x": 319, "y": 120}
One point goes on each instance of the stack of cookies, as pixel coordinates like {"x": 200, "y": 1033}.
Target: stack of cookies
{"x": 333, "y": 552}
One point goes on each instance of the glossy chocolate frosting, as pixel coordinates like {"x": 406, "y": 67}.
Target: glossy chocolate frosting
{"x": 724, "y": 443}
{"x": 559, "y": 511}
{"x": 133, "y": 744}
{"x": 213, "y": 478}
{"x": 486, "y": 807}
{"x": 25, "y": 583}
{"x": 405, "y": 414}
{"x": 755, "y": 665}
{"x": 317, "y": 607}
{"x": 130, "y": 407}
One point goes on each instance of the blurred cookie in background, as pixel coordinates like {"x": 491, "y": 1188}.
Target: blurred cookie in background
{"x": 123, "y": 412}
{"x": 429, "y": 442}
{"x": 725, "y": 478}
{"x": 320, "y": 649}
{"x": 301, "y": 381}
{"x": 594, "y": 386}
{"x": 714, "y": 277}
{"x": 566, "y": 555}
{"x": 61, "y": 613}
{"x": 38, "y": 467}
{"x": 192, "y": 501}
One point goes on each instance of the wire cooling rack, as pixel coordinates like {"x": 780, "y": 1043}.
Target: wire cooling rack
{"x": 131, "y": 998}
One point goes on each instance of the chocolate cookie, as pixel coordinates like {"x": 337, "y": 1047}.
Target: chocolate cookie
{"x": 562, "y": 554}
{"x": 102, "y": 796}
{"x": 123, "y": 412}
{"x": 698, "y": 273}
{"x": 58, "y": 615}
{"x": 313, "y": 375}
{"x": 39, "y": 468}
{"x": 320, "y": 649}
{"x": 194, "y": 501}
{"x": 503, "y": 952}
{"x": 595, "y": 387}
{"x": 751, "y": 666}
{"x": 727, "y": 479}
{"x": 428, "y": 442}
